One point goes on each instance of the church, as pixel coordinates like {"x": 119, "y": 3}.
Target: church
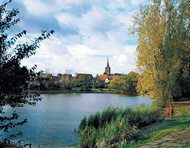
{"x": 107, "y": 69}
{"x": 107, "y": 76}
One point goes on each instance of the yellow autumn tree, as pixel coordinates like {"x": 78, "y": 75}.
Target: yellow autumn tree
{"x": 163, "y": 49}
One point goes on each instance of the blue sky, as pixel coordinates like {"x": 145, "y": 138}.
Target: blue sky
{"x": 86, "y": 32}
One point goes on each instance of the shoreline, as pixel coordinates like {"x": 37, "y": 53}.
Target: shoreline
{"x": 75, "y": 91}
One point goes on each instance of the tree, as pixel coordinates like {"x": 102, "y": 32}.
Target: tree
{"x": 66, "y": 82}
{"x": 15, "y": 78}
{"x": 164, "y": 50}
{"x": 125, "y": 83}
{"x": 114, "y": 84}
{"x": 82, "y": 81}
{"x": 130, "y": 82}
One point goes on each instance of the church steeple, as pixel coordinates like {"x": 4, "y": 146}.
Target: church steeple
{"x": 108, "y": 62}
{"x": 107, "y": 68}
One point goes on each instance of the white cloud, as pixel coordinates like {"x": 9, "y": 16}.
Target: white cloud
{"x": 137, "y": 2}
{"x": 36, "y": 7}
{"x": 120, "y": 58}
{"x": 89, "y": 38}
{"x": 117, "y": 4}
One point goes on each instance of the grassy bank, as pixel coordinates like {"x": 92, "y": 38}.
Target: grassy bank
{"x": 153, "y": 132}
{"x": 116, "y": 127}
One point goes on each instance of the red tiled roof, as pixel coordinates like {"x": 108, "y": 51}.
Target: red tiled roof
{"x": 102, "y": 77}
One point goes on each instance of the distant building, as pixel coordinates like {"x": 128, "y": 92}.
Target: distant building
{"x": 107, "y": 76}
{"x": 102, "y": 77}
{"x": 107, "y": 68}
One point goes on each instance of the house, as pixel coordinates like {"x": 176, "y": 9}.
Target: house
{"x": 107, "y": 76}
{"x": 102, "y": 78}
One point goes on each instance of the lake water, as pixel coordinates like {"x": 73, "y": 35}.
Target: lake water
{"x": 52, "y": 121}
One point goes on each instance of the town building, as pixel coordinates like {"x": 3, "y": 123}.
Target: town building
{"x": 107, "y": 76}
{"x": 107, "y": 68}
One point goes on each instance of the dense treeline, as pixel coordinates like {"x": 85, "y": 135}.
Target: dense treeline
{"x": 64, "y": 82}
{"x": 116, "y": 127}
{"x": 123, "y": 84}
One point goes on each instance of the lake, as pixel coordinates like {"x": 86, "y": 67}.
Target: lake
{"x": 51, "y": 122}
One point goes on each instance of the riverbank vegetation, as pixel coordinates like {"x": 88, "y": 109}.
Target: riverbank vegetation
{"x": 116, "y": 126}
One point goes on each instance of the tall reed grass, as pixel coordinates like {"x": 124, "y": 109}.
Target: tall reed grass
{"x": 116, "y": 126}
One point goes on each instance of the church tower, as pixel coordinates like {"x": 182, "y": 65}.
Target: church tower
{"x": 107, "y": 68}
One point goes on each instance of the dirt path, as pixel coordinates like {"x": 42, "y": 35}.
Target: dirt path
{"x": 174, "y": 140}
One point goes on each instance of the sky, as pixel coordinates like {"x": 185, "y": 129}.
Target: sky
{"x": 86, "y": 33}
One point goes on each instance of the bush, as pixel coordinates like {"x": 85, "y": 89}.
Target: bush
{"x": 144, "y": 116}
{"x": 83, "y": 123}
{"x": 116, "y": 126}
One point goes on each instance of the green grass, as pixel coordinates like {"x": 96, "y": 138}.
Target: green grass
{"x": 102, "y": 90}
{"x": 130, "y": 128}
{"x": 187, "y": 145}
{"x": 76, "y": 89}
{"x": 116, "y": 126}
{"x": 159, "y": 130}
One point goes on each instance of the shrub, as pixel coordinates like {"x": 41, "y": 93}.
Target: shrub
{"x": 144, "y": 116}
{"x": 94, "y": 120}
{"x": 83, "y": 123}
{"x": 116, "y": 126}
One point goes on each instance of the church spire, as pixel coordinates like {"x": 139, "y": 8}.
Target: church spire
{"x": 108, "y": 62}
{"x": 107, "y": 68}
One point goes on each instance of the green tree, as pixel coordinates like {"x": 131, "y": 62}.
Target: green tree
{"x": 66, "y": 82}
{"x": 77, "y": 81}
{"x": 114, "y": 84}
{"x": 130, "y": 82}
{"x": 125, "y": 83}
{"x": 15, "y": 78}
{"x": 84, "y": 82}
{"x": 163, "y": 49}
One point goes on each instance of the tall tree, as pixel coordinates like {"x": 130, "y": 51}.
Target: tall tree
{"x": 15, "y": 78}
{"x": 163, "y": 49}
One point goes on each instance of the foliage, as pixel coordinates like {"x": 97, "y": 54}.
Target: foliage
{"x": 48, "y": 82}
{"x": 99, "y": 83}
{"x": 125, "y": 83}
{"x": 14, "y": 78}
{"x": 116, "y": 126}
{"x": 164, "y": 50}
{"x": 66, "y": 82}
{"x": 115, "y": 84}
{"x": 84, "y": 82}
